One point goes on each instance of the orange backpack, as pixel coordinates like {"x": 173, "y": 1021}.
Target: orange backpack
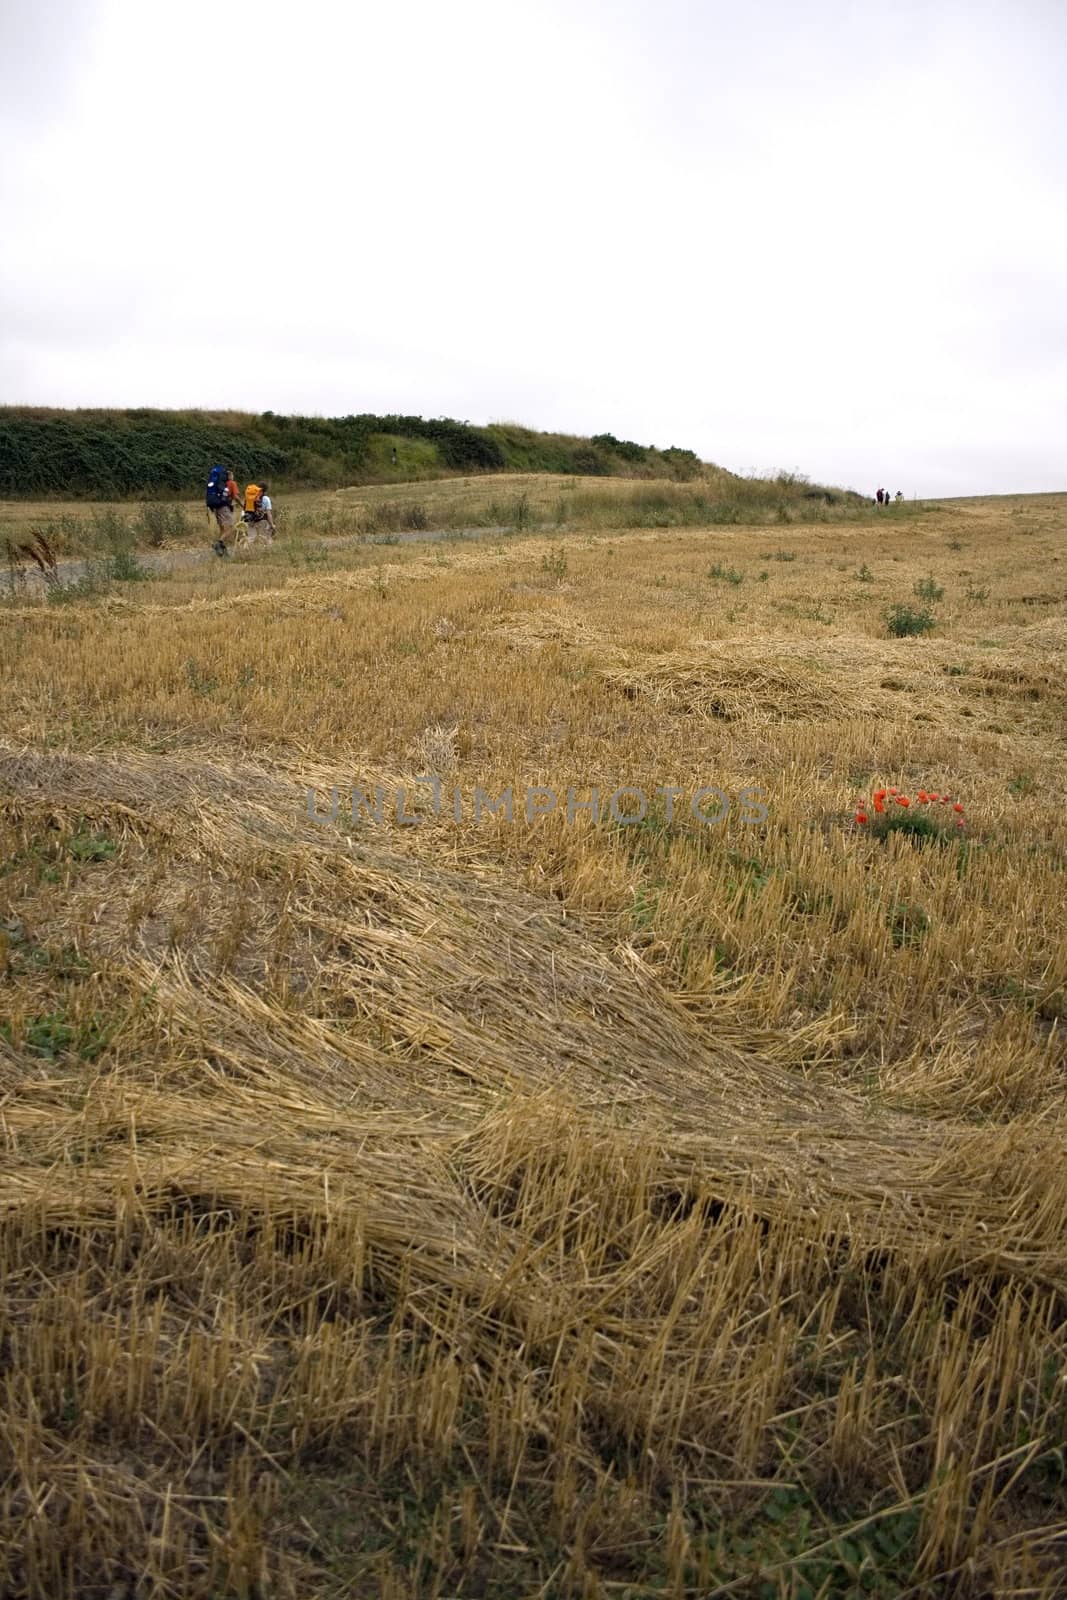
{"x": 253, "y": 496}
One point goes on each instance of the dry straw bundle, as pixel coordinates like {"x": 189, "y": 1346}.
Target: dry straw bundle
{"x": 421, "y": 1094}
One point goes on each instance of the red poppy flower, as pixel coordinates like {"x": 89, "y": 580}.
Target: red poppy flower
{"x": 879, "y": 807}
{"x": 902, "y": 800}
{"x": 861, "y": 816}
{"x": 892, "y": 791}
{"x": 957, "y": 807}
{"x": 879, "y": 794}
{"x": 923, "y": 795}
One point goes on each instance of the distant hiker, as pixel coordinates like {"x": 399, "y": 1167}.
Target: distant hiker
{"x": 258, "y": 512}
{"x": 222, "y": 500}
{"x": 899, "y": 495}
{"x": 881, "y": 495}
{"x": 394, "y": 455}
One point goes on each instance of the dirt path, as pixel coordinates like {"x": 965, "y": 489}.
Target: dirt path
{"x": 165, "y": 561}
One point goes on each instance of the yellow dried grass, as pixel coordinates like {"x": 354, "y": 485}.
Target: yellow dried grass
{"x": 427, "y": 1211}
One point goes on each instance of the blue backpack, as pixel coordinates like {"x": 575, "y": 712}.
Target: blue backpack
{"x": 217, "y": 494}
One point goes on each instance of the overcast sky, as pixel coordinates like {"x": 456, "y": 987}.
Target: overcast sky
{"x": 820, "y": 235}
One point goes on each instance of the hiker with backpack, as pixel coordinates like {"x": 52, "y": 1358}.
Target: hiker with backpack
{"x": 258, "y": 511}
{"x": 222, "y": 500}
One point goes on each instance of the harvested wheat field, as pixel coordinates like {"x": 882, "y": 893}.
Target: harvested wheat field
{"x": 540, "y": 1205}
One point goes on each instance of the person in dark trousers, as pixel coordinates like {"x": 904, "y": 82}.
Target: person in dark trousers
{"x": 880, "y": 496}
{"x": 224, "y": 508}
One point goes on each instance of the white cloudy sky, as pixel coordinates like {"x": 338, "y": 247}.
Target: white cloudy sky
{"x": 824, "y": 235}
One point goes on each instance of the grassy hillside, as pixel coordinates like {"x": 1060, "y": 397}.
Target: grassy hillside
{"x": 484, "y": 503}
{"x": 119, "y": 454}
{"x": 533, "y": 1205}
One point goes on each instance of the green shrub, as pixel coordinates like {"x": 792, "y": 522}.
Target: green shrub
{"x": 917, "y": 826}
{"x": 85, "y": 846}
{"x": 722, "y": 513}
{"x": 928, "y": 589}
{"x": 625, "y": 448}
{"x": 124, "y": 567}
{"x": 157, "y": 522}
{"x": 115, "y": 454}
{"x": 521, "y": 516}
{"x": 904, "y": 621}
{"x": 95, "y": 580}
{"x": 111, "y": 531}
{"x": 51, "y": 1035}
